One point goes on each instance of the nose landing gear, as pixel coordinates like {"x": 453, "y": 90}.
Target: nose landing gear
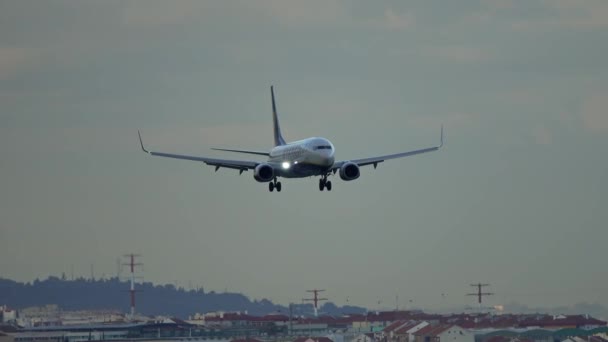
{"x": 324, "y": 184}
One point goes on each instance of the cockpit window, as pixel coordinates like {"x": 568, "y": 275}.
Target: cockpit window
{"x": 323, "y": 147}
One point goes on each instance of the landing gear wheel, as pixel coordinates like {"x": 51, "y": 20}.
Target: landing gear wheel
{"x": 321, "y": 184}
{"x": 278, "y": 186}
{"x": 328, "y": 185}
{"x": 271, "y": 187}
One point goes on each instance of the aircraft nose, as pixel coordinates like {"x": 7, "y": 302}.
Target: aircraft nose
{"x": 328, "y": 158}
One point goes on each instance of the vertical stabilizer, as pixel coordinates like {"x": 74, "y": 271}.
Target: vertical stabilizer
{"x": 278, "y": 137}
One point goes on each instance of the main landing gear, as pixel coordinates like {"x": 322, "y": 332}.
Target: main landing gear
{"x": 324, "y": 184}
{"x": 274, "y": 185}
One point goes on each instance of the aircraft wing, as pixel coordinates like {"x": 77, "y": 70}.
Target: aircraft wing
{"x": 242, "y": 151}
{"x": 241, "y": 165}
{"x": 379, "y": 159}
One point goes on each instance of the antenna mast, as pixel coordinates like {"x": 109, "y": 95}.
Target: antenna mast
{"x": 480, "y": 294}
{"x": 132, "y": 264}
{"x": 315, "y": 299}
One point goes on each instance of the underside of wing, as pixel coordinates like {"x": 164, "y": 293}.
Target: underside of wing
{"x": 379, "y": 159}
{"x": 241, "y": 165}
{"x": 260, "y": 153}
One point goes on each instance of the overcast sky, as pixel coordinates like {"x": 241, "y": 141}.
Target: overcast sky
{"x": 517, "y": 198}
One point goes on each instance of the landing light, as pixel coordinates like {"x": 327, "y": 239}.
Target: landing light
{"x": 285, "y": 165}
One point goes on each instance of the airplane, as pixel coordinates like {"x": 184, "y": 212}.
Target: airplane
{"x": 304, "y": 158}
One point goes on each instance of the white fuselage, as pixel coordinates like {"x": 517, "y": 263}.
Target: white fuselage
{"x": 308, "y": 157}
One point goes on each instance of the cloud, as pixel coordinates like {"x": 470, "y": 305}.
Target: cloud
{"x": 522, "y": 95}
{"x": 498, "y": 4}
{"x": 287, "y": 13}
{"x": 15, "y": 59}
{"x": 594, "y": 113}
{"x": 581, "y": 13}
{"x": 191, "y": 139}
{"x": 542, "y": 15}
{"x": 397, "y": 21}
{"x": 451, "y": 120}
{"x": 316, "y": 13}
{"x": 457, "y": 53}
{"x": 543, "y": 135}
{"x": 488, "y": 13}
{"x": 306, "y": 13}
{"x": 567, "y": 14}
{"x": 163, "y": 13}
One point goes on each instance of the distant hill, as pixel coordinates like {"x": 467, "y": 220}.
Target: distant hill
{"x": 86, "y": 294}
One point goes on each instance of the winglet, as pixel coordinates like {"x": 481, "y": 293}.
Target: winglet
{"x": 142, "y": 143}
{"x": 441, "y": 140}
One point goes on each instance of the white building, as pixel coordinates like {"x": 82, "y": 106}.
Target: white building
{"x": 406, "y": 333}
{"x": 7, "y": 315}
{"x": 365, "y": 337}
{"x": 444, "y": 333}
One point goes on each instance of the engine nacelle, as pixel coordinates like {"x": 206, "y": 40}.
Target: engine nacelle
{"x": 263, "y": 173}
{"x": 349, "y": 171}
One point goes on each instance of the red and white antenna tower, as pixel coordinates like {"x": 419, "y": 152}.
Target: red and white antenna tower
{"x": 315, "y": 299}
{"x": 132, "y": 264}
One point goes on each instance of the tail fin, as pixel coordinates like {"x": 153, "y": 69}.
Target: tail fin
{"x": 278, "y": 138}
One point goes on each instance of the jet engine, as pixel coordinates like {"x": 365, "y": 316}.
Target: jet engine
{"x": 349, "y": 171}
{"x": 263, "y": 173}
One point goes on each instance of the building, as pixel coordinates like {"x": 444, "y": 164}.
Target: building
{"x": 7, "y": 315}
{"x": 313, "y": 339}
{"x": 246, "y": 340}
{"x": 365, "y": 337}
{"x": 406, "y": 332}
{"x": 443, "y": 333}
{"x": 308, "y": 329}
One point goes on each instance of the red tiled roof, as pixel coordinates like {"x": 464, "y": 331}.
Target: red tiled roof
{"x": 433, "y": 330}
{"x": 391, "y": 316}
{"x": 441, "y": 329}
{"x": 404, "y": 329}
{"x": 268, "y": 318}
{"x": 394, "y": 326}
{"x": 424, "y": 330}
{"x": 276, "y": 317}
{"x": 466, "y": 324}
{"x": 316, "y": 339}
{"x": 350, "y": 319}
{"x": 246, "y": 340}
{"x": 354, "y": 318}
